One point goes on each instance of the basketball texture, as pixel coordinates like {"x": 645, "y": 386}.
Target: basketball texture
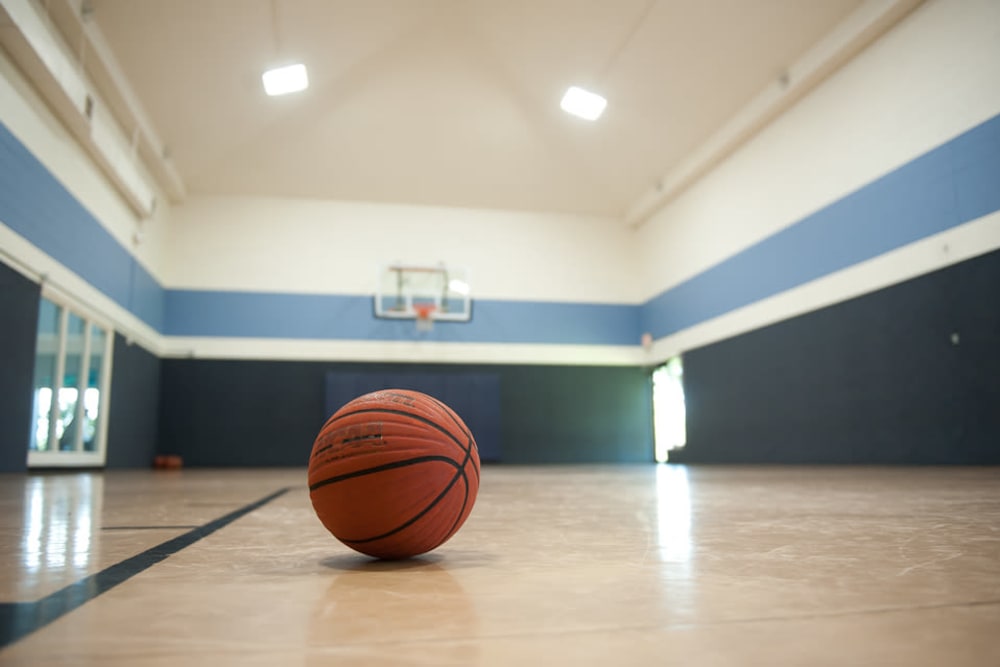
{"x": 394, "y": 473}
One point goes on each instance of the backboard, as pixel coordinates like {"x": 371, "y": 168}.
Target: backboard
{"x": 404, "y": 291}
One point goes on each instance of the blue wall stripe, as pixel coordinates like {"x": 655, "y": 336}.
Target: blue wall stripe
{"x": 947, "y": 186}
{"x": 35, "y": 204}
{"x": 147, "y": 297}
{"x": 299, "y": 316}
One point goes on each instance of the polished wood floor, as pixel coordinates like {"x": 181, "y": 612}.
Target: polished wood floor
{"x": 639, "y": 565}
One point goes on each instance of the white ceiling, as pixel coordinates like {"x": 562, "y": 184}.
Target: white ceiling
{"x": 451, "y": 102}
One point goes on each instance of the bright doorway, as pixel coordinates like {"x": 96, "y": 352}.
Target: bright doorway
{"x": 669, "y": 416}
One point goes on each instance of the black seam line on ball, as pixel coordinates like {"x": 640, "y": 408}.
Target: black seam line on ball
{"x": 454, "y": 419}
{"x": 401, "y": 413}
{"x": 451, "y": 415}
{"x": 381, "y": 468}
{"x": 465, "y": 431}
{"x": 465, "y": 498}
{"x": 431, "y": 505}
{"x": 468, "y": 455}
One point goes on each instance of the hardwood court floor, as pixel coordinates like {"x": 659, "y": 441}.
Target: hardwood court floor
{"x": 639, "y": 565}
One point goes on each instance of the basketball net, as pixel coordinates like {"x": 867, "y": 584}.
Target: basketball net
{"x": 425, "y": 316}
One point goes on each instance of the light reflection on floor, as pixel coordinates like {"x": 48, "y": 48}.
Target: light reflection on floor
{"x": 673, "y": 513}
{"x": 720, "y": 565}
{"x": 59, "y": 522}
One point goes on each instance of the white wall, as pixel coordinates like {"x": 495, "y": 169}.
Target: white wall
{"x": 312, "y": 246}
{"x": 27, "y": 117}
{"x": 932, "y": 77}
{"x": 328, "y": 247}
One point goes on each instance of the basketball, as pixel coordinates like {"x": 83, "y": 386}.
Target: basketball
{"x": 394, "y": 473}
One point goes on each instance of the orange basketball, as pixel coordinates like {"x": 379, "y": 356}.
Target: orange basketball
{"x": 394, "y": 473}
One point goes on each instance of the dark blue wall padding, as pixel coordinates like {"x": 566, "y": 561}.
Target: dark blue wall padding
{"x": 135, "y": 406}
{"x": 877, "y": 379}
{"x": 261, "y": 413}
{"x": 19, "y": 299}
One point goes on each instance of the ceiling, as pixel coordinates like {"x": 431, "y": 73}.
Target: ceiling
{"x": 450, "y": 102}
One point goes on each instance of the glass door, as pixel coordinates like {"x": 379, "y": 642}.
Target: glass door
{"x": 72, "y": 372}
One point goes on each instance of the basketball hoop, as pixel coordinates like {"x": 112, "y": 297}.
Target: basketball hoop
{"x": 425, "y": 316}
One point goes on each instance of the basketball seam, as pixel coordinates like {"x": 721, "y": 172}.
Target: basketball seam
{"x": 464, "y": 429}
{"x": 415, "y": 518}
{"x": 380, "y": 468}
{"x": 465, "y": 499}
{"x": 460, "y": 471}
{"x": 458, "y": 518}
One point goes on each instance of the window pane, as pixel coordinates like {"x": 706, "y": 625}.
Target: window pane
{"x": 67, "y": 428}
{"x": 92, "y": 395}
{"x": 46, "y": 349}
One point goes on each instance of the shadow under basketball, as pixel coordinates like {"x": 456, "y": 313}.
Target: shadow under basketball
{"x": 352, "y": 562}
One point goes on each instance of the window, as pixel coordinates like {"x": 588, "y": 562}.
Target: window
{"x": 72, "y": 371}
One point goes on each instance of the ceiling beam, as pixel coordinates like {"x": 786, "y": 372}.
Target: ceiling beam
{"x": 862, "y": 27}
{"x": 75, "y": 20}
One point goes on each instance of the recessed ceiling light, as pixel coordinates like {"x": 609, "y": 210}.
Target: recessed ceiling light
{"x": 284, "y": 80}
{"x": 583, "y": 103}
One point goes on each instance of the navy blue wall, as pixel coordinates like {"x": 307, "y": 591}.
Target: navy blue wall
{"x": 135, "y": 406}
{"x": 19, "y": 298}
{"x": 877, "y": 379}
{"x": 257, "y": 413}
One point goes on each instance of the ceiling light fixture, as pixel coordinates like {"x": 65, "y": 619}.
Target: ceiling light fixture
{"x": 288, "y": 78}
{"x": 284, "y": 80}
{"x": 590, "y": 105}
{"x": 583, "y": 103}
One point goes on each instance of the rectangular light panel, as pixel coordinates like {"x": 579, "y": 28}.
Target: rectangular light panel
{"x": 284, "y": 80}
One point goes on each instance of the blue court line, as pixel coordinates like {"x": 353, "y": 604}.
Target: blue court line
{"x": 20, "y": 619}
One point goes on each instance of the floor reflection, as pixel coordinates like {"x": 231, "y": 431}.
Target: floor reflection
{"x": 413, "y": 600}
{"x": 59, "y": 513}
{"x": 673, "y": 513}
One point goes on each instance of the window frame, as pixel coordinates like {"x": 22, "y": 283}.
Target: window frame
{"x": 78, "y": 457}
